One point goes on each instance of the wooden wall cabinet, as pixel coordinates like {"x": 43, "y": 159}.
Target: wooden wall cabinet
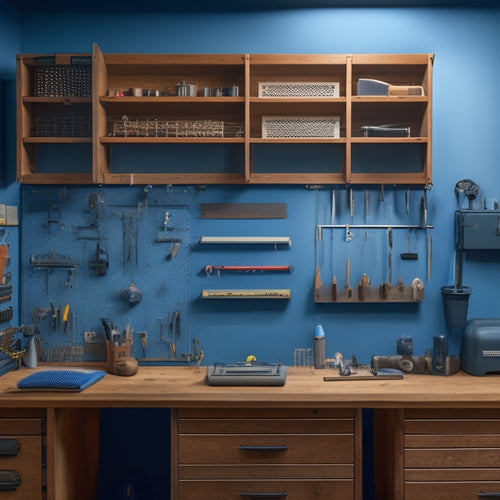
{"x": 244, "y": 113}
{"x": 297, "y": 454}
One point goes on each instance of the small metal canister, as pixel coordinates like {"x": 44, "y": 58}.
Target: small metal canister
{"x": 439, "y": 355}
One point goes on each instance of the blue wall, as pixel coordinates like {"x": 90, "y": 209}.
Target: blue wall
{"x": 466, "y": 103}
{"x": 10, "y": 43}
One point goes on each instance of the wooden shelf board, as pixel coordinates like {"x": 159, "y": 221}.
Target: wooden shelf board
{"x": 56, "y": 178}
{"x": 171, "y": 99}
{"x": 57, "y": 140}
{"x": 284, "y": 140}
{"x": 387, "y": 99}
{"x": 389, "y": 140}
{"x": 55, "y": 100}
{"x": 294, "y": 100}
{"x": 160, "y": 140}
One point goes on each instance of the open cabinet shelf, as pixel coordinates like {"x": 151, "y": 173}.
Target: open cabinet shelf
{"x": 230, "y": 119}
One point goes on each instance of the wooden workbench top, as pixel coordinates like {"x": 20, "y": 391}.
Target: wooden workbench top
{"x": 174, "y": 387}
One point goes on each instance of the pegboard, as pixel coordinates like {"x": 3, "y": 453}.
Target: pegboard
{"x": 116, "y": 253}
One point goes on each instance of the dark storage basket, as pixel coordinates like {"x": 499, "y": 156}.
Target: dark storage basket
{"x": 66, "y": 121}
{"x": 63, "y": 80}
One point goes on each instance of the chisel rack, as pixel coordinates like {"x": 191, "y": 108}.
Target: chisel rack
{"x": 385, "y": 292}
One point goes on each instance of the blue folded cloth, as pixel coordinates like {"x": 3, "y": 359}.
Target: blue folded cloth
{"x": 74, "y": 379}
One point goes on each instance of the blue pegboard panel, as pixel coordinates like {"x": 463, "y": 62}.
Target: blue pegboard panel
{"x": 98, "y": 251}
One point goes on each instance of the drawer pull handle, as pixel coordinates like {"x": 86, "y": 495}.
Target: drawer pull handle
{"x": 9, "y": 480}
{"x": 488, "y": 495}
{"x": 9, "y": 446}
{"x": 263, "y": 495}
{"x": 264, "y": 448}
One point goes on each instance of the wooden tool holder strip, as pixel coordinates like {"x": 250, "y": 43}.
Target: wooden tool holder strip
{"x": 367, "y": 294}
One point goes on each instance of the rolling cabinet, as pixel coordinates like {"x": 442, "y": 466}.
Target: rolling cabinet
{"x": 22, "y": 454}
{"x": 439, "y": 454}
{"x": 54, "y": 117}
{"x": 273, "y": 453}
{"x": 180, "y": 101}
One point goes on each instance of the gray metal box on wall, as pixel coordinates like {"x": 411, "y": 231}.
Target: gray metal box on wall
{"x": 477, "y": 229}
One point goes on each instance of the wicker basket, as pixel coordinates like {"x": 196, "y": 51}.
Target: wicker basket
{"x": 299, "y": 89}
{"x": 69, "y": 121}
{"x": 63, "y": 80}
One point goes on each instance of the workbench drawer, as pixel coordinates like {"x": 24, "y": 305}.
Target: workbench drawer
{"x": 289, "y": 490}
{"x": 451, "y": 454}
{"x": 21, "y": 454}
{"x": 266, "y": 448}
{"x": 452, "y": 490}
{"x": 264, "y": 471}
{"x": 235, "y": 453}
{"x": 27, "y": 463}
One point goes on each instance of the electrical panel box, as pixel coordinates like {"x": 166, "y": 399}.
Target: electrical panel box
{"x": 477, "y": 229}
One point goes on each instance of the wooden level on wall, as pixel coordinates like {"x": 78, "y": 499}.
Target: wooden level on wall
{"x": 243, "y": 210}
{"x": 246, "y": 294}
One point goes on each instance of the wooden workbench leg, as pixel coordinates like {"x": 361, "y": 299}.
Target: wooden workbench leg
{"x": 72, "y": 453}
{"x": 174, "y": 454}
{"x": 358, "y": 454}
{"x": 388, "y": 441}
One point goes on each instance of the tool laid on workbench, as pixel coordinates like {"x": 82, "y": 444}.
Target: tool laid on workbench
{"x": 353, "y": 371}
{"x": 435, "y": 361}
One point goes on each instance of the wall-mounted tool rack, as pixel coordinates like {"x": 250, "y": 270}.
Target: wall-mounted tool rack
{"x": 147, "y": 89}
{"x": 348, "y": 227}
{"x": 365, "y": 291}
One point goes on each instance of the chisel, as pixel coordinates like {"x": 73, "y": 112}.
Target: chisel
{"x": 348, "y": 287}
{"x": 428, "y": 237}
{"x": 389, "y": 236}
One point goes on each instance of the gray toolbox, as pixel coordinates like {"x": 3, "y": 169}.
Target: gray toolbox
{"x": 477, "y": 229}
{"x": 480, "y": 352}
